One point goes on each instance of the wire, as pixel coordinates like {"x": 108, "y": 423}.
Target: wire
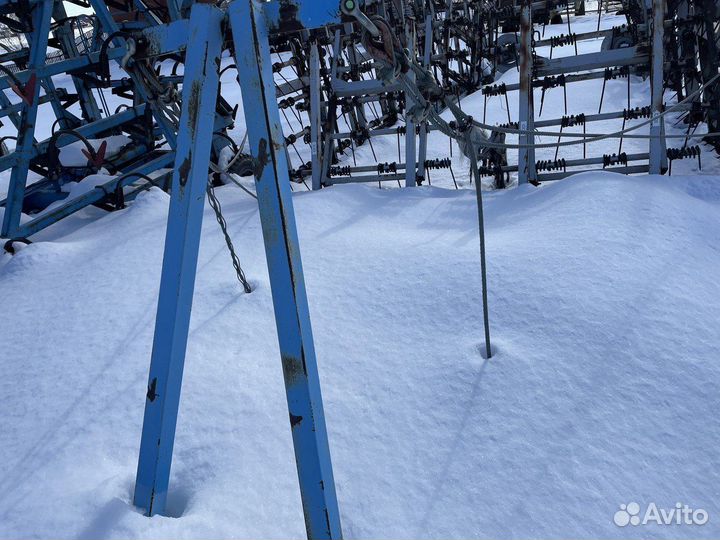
{"x": 215, "y": 204}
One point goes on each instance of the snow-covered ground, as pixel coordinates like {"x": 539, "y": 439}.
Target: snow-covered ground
{"x": 604, "y": 303}
{"x": 603, "y": 389}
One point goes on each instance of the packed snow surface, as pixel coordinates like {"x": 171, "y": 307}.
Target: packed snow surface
{"x": 604, "y": 302}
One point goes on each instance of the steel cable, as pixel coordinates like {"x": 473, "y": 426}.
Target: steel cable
{"x": 215, "y": 204}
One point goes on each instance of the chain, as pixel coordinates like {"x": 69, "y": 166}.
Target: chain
{"x": 215, "y": 204}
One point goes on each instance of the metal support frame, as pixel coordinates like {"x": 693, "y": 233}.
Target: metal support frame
{"x": 628, "y": 56}
{"x": 410, "y": 128}
{"x": 315, "y": 117}
{"x": 292, "y": 316}
{"x": 74, "y": 64}
{"x": 410, "y": 144}
{"x": 203, "y": 121}
{"x": 709, "y": 56}
{"x": 526, "y": 155}
{"x": 182, "y": 242}
{"x": 423, "y": 135}
{"x": 657, "y": 127}
{"x": 690, "y": 55}
{"x": 103, "y": 14}
{"x": 302, "y": 383}
{"x": 26, "y": 134}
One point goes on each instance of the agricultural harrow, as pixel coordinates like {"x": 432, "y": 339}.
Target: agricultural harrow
{"x": 101, "y": 100}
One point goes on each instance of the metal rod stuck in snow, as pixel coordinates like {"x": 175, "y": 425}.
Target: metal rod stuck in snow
{"x": 481, "y": 227}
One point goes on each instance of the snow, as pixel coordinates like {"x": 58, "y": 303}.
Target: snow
{"x": 602, "y": 389}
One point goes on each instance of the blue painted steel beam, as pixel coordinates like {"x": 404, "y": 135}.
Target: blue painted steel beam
{"x": 302, "y": 382}
{"x": 308, "y": 13}
{"x": 166, "y": 38}
{"x": 187, "y": 199}
{"x": 42, "y": 16}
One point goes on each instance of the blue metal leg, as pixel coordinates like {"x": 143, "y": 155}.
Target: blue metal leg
{"x": 26, "y": 133}
{"x": 200, "y": 88}
{"x": 302, "y": 383}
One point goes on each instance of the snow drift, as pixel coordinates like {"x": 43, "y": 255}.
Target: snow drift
{"x": 604, "y": 303}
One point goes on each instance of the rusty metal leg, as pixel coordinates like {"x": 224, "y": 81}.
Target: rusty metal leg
{"x": 292, "y": 316}
{"x": 182, "y": 242}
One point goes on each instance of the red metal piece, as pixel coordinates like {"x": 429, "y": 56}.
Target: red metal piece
{"x": 26, "y": 92}
{"x": 99, "y": 158}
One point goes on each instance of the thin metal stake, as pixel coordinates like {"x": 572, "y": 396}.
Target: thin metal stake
{"x": 481, "y": 227}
